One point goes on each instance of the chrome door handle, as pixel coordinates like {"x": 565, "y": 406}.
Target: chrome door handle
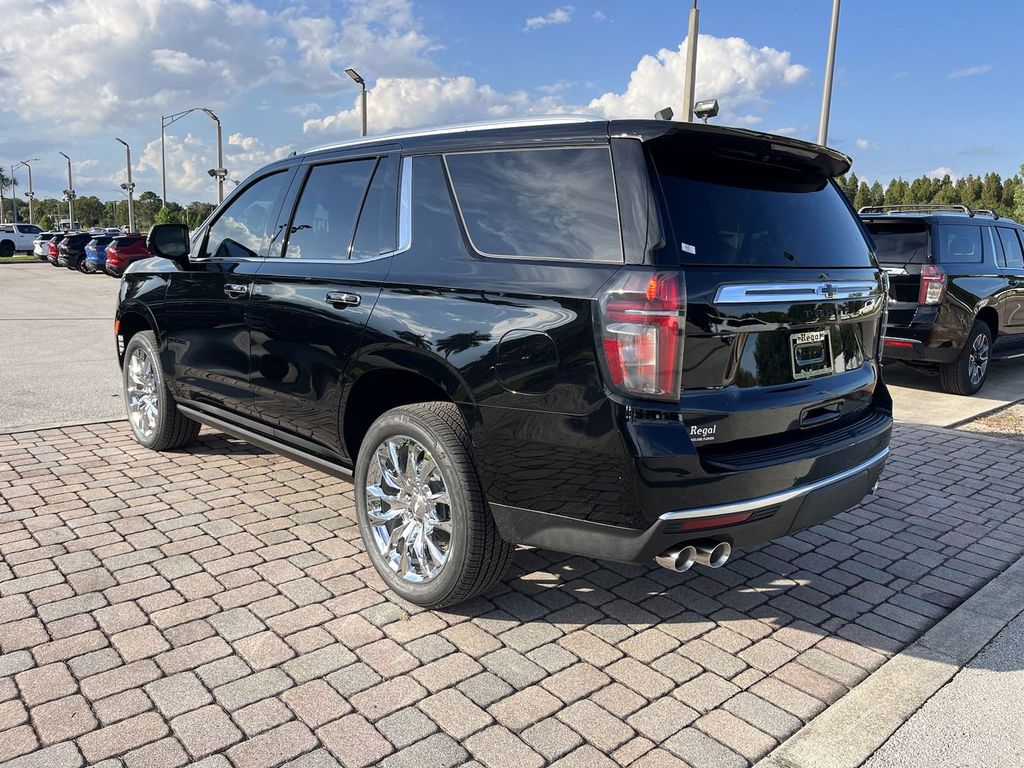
{"x": 342, "y": 299}
{"x": 236, "y": 290}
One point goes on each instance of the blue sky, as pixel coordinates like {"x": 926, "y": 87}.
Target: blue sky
{"x": 921, "y": 86}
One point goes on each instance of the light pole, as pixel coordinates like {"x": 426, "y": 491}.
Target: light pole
{"x": 30, "y": 194}
{"x": 70, "y": 194}
{"x": 129, "y": 186}
{"x": 690, "y": 74}
{"x": 14, "y": 196}
{"x": 219, "y": 172}
{"x": 362, "y": 104}
{"x": 830, "y": 66}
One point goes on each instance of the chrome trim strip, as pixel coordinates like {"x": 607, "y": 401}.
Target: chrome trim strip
{"x": 776, "y": 293}
{"x": 753, "y": 505}
{"x": 901, "y": 338}
{"x": 895, "y": 270}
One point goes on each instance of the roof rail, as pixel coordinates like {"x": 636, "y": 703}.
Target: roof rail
{"x": 929, "y": 208}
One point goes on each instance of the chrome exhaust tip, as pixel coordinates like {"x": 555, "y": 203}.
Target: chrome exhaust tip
{"x": 713, "y": 554}
{"x": 677, "y": 559}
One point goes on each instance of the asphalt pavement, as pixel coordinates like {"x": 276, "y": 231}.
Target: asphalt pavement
{"x": 58, "y": 363}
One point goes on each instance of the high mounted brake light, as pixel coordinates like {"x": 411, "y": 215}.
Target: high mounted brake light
{"x": 641, "y": 333}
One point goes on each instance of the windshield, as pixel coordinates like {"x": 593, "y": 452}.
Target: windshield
{"x": 736, "y": 212}
{"x": 899, "y": 242}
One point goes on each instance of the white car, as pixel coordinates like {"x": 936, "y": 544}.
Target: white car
{"x": 17, "y": 237}
{"x": 40, "y": 246}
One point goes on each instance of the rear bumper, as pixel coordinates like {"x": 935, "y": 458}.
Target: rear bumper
{"x": 770, "y": 517}
{"x": 926, "y": 334}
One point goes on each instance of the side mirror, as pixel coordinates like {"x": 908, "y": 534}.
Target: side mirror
{"x": 169, "y": 241}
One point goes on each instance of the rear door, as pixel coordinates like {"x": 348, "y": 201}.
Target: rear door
{"x": 902, "y": 247}
{"x": 784, "y": 300}
{"x": 311, "y": 303}
{"x": 207, "y": 338}
{"x": 1012, "y": 264}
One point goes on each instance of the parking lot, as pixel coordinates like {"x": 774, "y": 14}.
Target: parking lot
{"x": 164, "y": 608}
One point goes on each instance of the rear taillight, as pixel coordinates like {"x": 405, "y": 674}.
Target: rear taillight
{"x": 641, "y": 332}
{"x": 933, "y": 285}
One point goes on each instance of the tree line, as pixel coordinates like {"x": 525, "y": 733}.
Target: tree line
{"x": 93, "y": 212}
{"x": 1004, "y": 196}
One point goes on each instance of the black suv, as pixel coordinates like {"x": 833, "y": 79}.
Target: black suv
{"x": 636, "y": 340}
{"x": 956, "y": 288}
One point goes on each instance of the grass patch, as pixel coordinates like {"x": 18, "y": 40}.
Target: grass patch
{"x": 18, "y": 258}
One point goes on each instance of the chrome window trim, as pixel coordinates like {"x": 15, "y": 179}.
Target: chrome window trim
{"x": 531, "y": 257}
{"x": 404, "y": 229}
{"x": 810, "y": 290}
{"x": 752, "y": 505}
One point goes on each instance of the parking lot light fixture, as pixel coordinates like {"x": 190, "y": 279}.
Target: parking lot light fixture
{"x": 362, "y": 103}
{"x": 130, "y": 185}
{"x": 30, "y": 194}
{"x": 70, "y": 194}
{"x": 221, "y": 171}
{"x": 706, "y": 109}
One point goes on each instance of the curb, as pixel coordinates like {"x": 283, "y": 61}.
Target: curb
{"x": 847, "y": 733}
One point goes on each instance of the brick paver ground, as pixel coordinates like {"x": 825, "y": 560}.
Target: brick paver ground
{"x": 218, "y": 606}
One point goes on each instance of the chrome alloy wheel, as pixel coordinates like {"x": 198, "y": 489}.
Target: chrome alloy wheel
{"x": 143, "y": 400}
{"x": 978, "y": 362}
{"x": 408, "y": 509}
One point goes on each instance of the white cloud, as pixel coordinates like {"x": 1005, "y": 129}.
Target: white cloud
{"x": 941, "y": 172}
{"x": 865, "y": 144}
{"x": 562, "y": 15}
{"x": 599, "y": 16}
{"x": 729, "y": 69}
{"x": 190, "y": 157}
{"x": 971, "y": 71}
{"x": 407, "y": 102}
{"x": 134, "y": 60}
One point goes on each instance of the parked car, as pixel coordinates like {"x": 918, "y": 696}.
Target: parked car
{"x": 71, "y": 251}
{"x": 16, "y": 238}
{"x": 40, "y": 246}
{"x": 123, "y": 251}
{"x": 956, "y": 288}
{"x": 52, "y": 249}
{"x": 636, "y": 340}
{"x": 96, "y": 253}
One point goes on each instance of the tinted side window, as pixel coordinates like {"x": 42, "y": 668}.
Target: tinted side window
{"x": 244, "y": 228}
{"x": 958, "y": 244}
{"x": 328, "y": 206}
{"x": 541, "y": 203}
{"x": 1011, "y": 248}
{"x": 377, "y": 231}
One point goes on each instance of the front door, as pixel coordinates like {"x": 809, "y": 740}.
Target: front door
{"x": 207, "y": 336}
{"x": 310, "y": 305}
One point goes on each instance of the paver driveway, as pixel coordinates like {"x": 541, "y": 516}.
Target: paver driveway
{"x": 163, "y": 608}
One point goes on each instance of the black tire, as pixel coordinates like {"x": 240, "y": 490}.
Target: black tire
{"x": 7, "y": 249}
{"x": 83, "y": 267}
{"x": 172, "y": 429}
{"x": 477, "y": 556}
{"x": 961, "y": 377}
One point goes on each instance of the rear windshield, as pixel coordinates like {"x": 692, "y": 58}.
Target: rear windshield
{"x": 733, "y": 212}
{"x": 899, "y": 242}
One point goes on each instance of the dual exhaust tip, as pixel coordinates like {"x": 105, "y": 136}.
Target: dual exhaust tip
{"x": 713, "y": 554}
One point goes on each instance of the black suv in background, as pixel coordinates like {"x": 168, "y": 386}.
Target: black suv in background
{"x": 956, "y": 288}
{"x": 636, "y": 340}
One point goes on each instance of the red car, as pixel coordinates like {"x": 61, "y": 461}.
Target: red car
{"x": 123, "y": 251}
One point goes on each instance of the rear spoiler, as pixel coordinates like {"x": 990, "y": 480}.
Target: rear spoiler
{"x": 750, "y": 145}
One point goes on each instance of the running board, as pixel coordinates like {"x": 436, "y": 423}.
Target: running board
{"x": 268, "y": 443}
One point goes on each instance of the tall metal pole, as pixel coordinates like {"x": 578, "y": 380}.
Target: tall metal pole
{"x": 830, "y": 66}
{"x": 690, "y": 75}
{"x": 163, "y": 164}
{"x": 31, "y": 194}
{"x": 220, "y": 171}
{"x": 14, "y": 196}
{"x": 71, "y": 195}
{"x": 129, "y": 186}
{"x": 362, "y": 110}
